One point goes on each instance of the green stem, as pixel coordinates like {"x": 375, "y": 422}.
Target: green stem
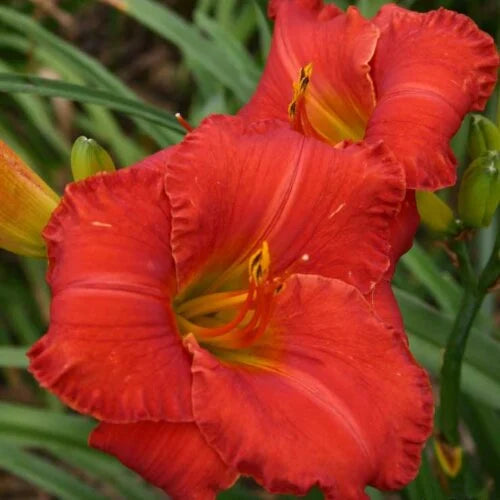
{"x": 475, "y": 291}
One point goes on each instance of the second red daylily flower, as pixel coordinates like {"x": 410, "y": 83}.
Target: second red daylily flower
{"x": 404, "y": 77}
{"x": 209, "y": 312}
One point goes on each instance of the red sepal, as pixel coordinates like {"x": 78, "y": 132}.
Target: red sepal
{"x": 174, "y": 457}
{"x": 112, "y": 349}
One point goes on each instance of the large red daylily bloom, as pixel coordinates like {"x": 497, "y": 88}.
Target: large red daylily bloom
{"x": 209, "y": 310}
{"x": 403, "y": 77}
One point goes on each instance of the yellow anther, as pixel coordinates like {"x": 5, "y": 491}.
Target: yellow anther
{"x": 449, "y": 457}
{"x": 259, "y": 263}
{"x": 299, "y": 88}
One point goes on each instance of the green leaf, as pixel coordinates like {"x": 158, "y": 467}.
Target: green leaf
{"x": 434, "y": 326}
{"x": 483, "y": 423}
{"x": 46, "y": 425}
{"x": 440, "y": 285}
{"x": 55, "y": 88}
{"x": 235, "y": 53}
{"x": 425, "y": 484}
{"x": 36, "y": 110}
{"x": 264, "y": 31}
{"x": 43, "y": 474}
{"x": 428, "y": 330}
{"x": 169, "y": 25}
{"x": 374, "y": 494}
{"x": 237, "y": 492}
{"x": 72, "y": 59}
{"x": 20, "y": 147}
{"x": 244, "y": 23}
{"x": 109, "y": 470}
{"x": 66, "y": 437}
{"x": 473, "y": 382}
{"x": 369, "y": 8}
{"x": 99, "y": 122}
{"x": 13, "y": 357}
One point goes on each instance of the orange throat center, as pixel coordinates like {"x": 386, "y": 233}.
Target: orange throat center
{"x": 233, "y": 319}
{"x": 318, "y": 111}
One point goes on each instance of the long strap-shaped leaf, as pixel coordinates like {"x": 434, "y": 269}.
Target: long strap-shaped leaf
{"x": 13, "y": 357}
{"x": 65, "y": 436}
{"x": 10, "y": 82}
{"x": 96, "y": 121}
{"x": 428, "y": 329}
{"x": 80, "y": 63}
{"x": 166, "y": 23}
{"x": 46, "y": 476}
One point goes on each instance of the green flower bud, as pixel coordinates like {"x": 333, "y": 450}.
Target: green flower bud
{"x": 434, "y": 212}
{"x": 479, "y": 193}
{"x": 88, "y": 158}
{"x": 484, "y": 136}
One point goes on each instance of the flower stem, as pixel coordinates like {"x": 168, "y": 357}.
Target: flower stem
{"x": 474, "y": 293}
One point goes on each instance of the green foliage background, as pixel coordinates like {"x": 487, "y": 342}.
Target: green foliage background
{"x": 123, "y": 75}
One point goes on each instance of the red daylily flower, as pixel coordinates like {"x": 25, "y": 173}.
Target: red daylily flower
{"x": 404, "y": 77}
{"x": 208, "y": 310}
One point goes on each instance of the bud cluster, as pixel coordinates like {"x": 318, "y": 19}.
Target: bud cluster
{"x": 479, "y": 190}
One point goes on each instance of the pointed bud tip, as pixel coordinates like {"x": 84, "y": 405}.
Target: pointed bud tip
{"x": 484, "y": 136}
{"x": 88, "y": 158}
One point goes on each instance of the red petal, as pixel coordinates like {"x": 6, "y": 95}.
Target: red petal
{"x": 429, "y": 70}
{"x": 340, "y": 94}
{"x": 402, "y": 230}
{"x": 157, "y": 161}
{"x": 330, "y": 396}
{"x": 233, "y": 185}
{"x": 112, "y": 349}
{"x": 347, "y": 203}
{"x": 385, "y": 305}
{"x": 274, "y": 6}
{"x": 174, "y": 457}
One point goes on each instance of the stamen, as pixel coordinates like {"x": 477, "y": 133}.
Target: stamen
{"x": 254, "y": 313}
{"x": 299, "y": 89}
{"x": 184, "y": 123}
{"x": 244, "y": 337}
{"x": 259, "y": 263}
{"x": 214, "y": 302}
{"x": 206, "y": 333}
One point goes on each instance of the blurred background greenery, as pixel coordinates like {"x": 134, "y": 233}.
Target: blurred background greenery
{"x": 196, "y": 57}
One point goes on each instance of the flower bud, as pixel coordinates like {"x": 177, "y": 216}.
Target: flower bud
{"x": 434, "y": 212}
{"x": 26, "y": 206}
{"x": 484, "y": 136}
{"x": 88, "y": 158}
{"x": 479, "y": 193}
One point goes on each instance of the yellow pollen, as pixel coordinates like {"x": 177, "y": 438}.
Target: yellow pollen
{"x": 299, "y": 88}
{"x": 258, "y": 264}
